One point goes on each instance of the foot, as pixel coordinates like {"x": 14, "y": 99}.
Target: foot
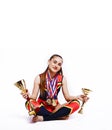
{"x": 37, "y": 118}
{"x": 64, "y": 118}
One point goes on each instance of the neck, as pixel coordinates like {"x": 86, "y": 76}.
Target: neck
{"x": 51, "y": 74}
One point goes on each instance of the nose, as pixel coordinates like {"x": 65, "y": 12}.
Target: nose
{"x": 55, "y": 66}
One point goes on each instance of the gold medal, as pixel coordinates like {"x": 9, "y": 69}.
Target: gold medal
{"x": 54, "y": 102}
{"x": 49, "y": 101}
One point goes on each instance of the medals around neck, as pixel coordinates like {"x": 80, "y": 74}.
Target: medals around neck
{"x": 51, "y": 89}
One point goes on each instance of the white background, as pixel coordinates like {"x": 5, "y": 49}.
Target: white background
{"x": 81, "y": 32}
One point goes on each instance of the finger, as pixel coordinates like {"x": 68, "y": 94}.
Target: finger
{"x": 26, "y": 90}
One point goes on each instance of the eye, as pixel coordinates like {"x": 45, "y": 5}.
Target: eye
{"x": 55, "y": 61}
{"x": 59, "y": 64}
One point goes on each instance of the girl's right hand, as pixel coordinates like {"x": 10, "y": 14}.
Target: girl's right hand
{"x": 25, "y": 94}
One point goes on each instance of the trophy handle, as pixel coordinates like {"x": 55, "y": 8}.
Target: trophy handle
{"x": 85, "y": 92}
{"x": 81, "y": 109}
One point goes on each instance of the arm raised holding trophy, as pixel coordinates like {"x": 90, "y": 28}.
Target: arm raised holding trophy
{"x": 43, "y": 103}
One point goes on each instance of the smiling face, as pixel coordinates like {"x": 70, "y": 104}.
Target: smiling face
{"x": 55, "y": 64}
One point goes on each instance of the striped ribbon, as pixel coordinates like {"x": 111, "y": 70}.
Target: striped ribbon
{"x": 51, "y": 85}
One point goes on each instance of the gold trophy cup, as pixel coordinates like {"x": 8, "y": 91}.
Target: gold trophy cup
{"x": 22, "y": 86}
{"x": 85, "y": 92}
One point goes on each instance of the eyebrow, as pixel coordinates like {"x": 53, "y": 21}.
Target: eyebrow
{"x": 57, "y": 61}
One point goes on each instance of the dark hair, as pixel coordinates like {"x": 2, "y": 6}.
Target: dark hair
{"x": 56, "y": 56}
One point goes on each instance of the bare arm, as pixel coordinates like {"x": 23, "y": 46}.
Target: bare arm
{"x": 35, "y": 90}
{"x": 67, "y": 96}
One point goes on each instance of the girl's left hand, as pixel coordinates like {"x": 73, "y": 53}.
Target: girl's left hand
{"x": 83, "y": 98}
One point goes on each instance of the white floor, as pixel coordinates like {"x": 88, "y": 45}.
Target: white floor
{"x": 97, "y": 111}
{"x": 96, "y": 116}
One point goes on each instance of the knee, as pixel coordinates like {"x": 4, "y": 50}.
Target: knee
{"x": 74, "y": 105}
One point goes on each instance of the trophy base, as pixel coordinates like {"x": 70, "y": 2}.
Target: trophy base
{"x": 32, "y": 113}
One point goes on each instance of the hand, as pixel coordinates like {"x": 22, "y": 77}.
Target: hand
{"x": 25, "y": 94}
{"x": 83, "y": 98}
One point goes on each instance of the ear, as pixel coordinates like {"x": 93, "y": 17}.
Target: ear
{"x": 48, "y": 62}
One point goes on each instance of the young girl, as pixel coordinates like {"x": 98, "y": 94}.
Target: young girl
{"x": 43, "y": 102}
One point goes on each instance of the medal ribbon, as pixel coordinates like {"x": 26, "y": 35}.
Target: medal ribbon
{"x": 51, "y": 85}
